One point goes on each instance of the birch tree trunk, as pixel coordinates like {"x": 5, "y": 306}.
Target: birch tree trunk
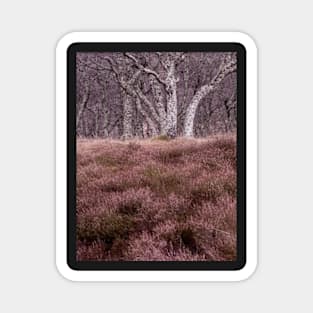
{"x": 224, "y": 70}
{"x": 82, "y": 106}
{"x": 127, "y": 93}
{"x": 127, "y": 116}
{"x": 148, "y": 122}
{"x": 192, "y": 108}
{"x": 159, "y": 104}
{"x": 171, "y": 87}
{"x": 105, "y": 122}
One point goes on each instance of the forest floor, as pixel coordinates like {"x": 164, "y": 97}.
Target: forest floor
{"x": 156, "y": 200}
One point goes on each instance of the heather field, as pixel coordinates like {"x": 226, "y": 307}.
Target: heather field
{"x": 156, "y": 199}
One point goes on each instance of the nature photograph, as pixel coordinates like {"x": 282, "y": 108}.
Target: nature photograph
{"x": 156, "y": 161}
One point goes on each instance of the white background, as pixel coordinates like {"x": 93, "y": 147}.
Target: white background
{"x": 29, "y": 31}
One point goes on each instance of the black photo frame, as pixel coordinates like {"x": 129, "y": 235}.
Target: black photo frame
{"x": 241, "y": 155}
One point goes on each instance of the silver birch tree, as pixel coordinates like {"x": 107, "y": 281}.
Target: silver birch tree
{"x": 228, "y": 66}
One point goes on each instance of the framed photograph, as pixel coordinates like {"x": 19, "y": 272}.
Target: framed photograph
{"x": 156, "y": 156}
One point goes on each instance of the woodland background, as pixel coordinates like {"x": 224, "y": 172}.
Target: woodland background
{"x": 146, "y": 94}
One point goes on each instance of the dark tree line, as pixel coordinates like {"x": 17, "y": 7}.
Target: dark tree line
{"x": 146, "y": 94}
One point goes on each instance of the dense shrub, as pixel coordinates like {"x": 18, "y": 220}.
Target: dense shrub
{"x": 156, "y": 199}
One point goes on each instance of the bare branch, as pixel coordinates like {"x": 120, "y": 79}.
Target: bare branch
{"x": 111, "y": 62}
{"x": 179, "y": 58}
{"x": 147, "y": 102}
{"x": 145, "y": 69}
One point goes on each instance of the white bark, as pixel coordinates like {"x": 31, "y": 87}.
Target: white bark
{"x": 148, "y": 122}
{"x": 128, "y": 94}
{"x": 171, "y": 86}
{"x": 224, "y": 70}
{"x": 148, "y": 104}
{"x": 192, "y": 108}
{"x": 167, "y": 119}
{"x": 82, "y": 106}
{"x": 159, "y": 104}
{"x": 127, "y": 116}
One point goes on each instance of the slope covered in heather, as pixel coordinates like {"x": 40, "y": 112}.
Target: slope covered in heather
{"x": 156, "y": 199}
